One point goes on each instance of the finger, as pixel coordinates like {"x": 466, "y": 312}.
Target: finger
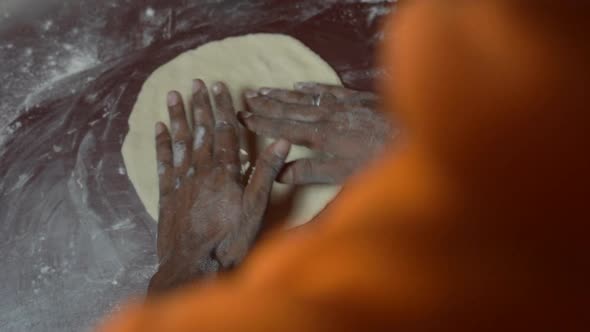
{"x": 164, "y": 158}
{"x": 166, "y": 178}
{"x": 272, "y": 108}
{"x": 296, "y": 132}
{"x": 227, "y": 146}
{"x": 203, "y": 124}
{"x": 224, "y": 104}
{"x": 315, "y": 171}
{"x": 181, "y": 134}
{"x": 339, "y": 92}
{"x": 268, "y": 166}
{"x": 287, "y": 96}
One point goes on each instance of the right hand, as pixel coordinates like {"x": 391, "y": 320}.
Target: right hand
{"x": 342, "y": 123}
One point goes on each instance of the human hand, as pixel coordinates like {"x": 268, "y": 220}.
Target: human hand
{"x": 209, "y": 217}
{"x": 342, "y": 123}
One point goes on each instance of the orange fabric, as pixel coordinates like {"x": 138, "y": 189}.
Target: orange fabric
{"x": 478, "y": 224}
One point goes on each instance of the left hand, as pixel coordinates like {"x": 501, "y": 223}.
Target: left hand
{"x": 344, "y": 124}
{"x": 208, "y": 217}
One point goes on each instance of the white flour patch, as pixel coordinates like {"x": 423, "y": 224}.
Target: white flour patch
{"x": 150, "y": 12}
{"x": 23, "y": 179}
{"x": 47, "y": 25}
{"x": 245, "y": 167}
{"x": 199, "y": 137}
{"x": 191, "y": 172}
{"x": 32, "y": 68}
{"x": 377, "y": 12}
{"x": 179, "y": 150}
{"x": 161, "y": 168}
{"x": 79, "y": 62}
{"x": 122, "y": 225}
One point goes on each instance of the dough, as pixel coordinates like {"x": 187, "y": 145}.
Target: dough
{"x": 252, "y": 61}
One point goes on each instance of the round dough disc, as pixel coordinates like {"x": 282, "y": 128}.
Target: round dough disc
{"x": 251, "y": 61}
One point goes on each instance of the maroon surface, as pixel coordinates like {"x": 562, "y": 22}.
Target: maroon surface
{"x": 75, "y": 235}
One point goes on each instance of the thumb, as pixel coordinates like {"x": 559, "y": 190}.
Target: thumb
{"x": 268, "y": 167}
{"x": 317, "y": 171}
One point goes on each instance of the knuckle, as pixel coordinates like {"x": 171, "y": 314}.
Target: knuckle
{"x": 265, "y": 127}
{"x": 251, "y": 206}
{"x": 271, "y": 162}
{"x": 183, "y": 136}
{"x": 304, "y": 170}
{"x": 199, "y": 113}
{"x": 177, "y": 111}
{"x": 202, "y": 103}
{"x": 163, "y": 167}
{"x": 164, "y": 155}
{"x": 318, "y": 136}
{"x": 163, "y": 145}
{"x": 163, "y": 138}
{"x": 232, "y": 168}
{"x": 166, "y": 188}
{"x": 226, "y": 130}
{"x": 223, "y": 126}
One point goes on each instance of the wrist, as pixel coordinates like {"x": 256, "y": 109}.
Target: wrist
{"x": 172, "y": 275}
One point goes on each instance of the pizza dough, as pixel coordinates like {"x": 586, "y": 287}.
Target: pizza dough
{"x": 252, "y": 61}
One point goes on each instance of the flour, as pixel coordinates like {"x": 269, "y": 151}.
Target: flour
{"x": 78, "y": 62}
{"x": 47, "y": 25}
{"x": 41, "y": 74}
{"x": 199, "y": 137}
{"x": 179, "y": 153}
{"x": 150, "y": 12}
{"x": 23, "y": 179}
{"x": 376, "y": 12}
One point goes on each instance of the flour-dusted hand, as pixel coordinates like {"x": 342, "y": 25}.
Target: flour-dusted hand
{"x": 343, "y": 123}
{"x": 209, "y": 217}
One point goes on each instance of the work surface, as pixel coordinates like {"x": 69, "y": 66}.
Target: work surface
{"x": 75, "y": 240}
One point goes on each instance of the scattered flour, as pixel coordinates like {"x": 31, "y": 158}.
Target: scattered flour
{"x": 78, "y": 62}
{"x": 150, "y": 12}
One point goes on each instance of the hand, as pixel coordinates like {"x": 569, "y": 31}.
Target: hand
{"x": 342, "y": 123}
{"x": 208, "y": 217}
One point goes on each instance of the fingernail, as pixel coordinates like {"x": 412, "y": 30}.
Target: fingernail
{"x": 282, "y": 148}
{"x": 217, "y": 88}
{"x": 172, "y": 98}
{"x": 160, "y": 128}
{"x": 245, "y": 115}
{"x": 197, "y": 85}
{"x": 265, "y": 91}
{"x": 251, "y": 94}
{"x": 304, "y": 85}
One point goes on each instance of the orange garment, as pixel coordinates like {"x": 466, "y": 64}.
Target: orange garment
{"x": 478, "y": 224}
